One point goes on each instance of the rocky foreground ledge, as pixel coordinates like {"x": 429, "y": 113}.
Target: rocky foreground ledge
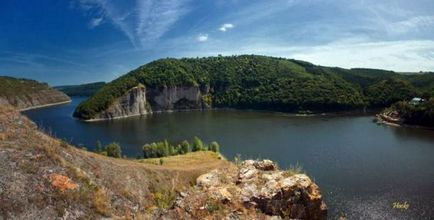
{"x": 252, "y": 190}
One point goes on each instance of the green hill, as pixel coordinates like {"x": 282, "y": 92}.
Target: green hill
{"x": 26, "y": 93}
{"x": 260, "y": 82}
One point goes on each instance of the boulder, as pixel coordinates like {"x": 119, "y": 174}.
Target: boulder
{"x": 255, "y": 185}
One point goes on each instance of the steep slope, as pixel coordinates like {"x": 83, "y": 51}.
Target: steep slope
{"x": 26, "y": 94}
{"x": 41, "y": 178}
{"x": 81, "y": 90}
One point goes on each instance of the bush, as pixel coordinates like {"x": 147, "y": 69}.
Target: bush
{"x": 164, "y": 148}
{"x": 185, "y": 147}
{"x": 197, "y": 145}
{"x": 214, "y": 146}
{"x": 113, "y": 150}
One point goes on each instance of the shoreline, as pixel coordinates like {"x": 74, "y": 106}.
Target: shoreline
{"x": 379, "y": 119}
{"x": 293, "y": 114}
{"x": 46, "y": 105}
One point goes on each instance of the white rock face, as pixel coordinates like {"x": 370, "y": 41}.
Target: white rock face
{"x": 130, "y": 104}
{"x": 178, "y": 97}
{"x": 141, "y": 100}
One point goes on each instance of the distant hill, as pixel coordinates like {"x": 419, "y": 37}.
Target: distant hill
{"x": 250, "y": 81}
{"x": 25, "y": 94}
{"x": 81, "y": 90}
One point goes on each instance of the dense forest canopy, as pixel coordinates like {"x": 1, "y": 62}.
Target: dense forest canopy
{"x": 261, "y": 82}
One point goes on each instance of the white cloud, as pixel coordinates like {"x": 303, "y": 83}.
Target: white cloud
{"x": 226, "y": 27}
{"x": 202, "y": 37}
{"x": 142, "y": 21}
{"x": 95, "y": 22}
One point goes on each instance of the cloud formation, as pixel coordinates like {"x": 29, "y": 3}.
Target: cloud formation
{"x": 226, "y": 27}
{"x": 95, "y": 22}
{"x": 142, "y": 21}
{"x": 202, "y": 37}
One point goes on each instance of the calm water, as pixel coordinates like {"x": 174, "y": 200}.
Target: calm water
{"x": 362, "y": 168}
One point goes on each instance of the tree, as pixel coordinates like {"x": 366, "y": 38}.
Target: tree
{"x": 98, "y": 146}
{"x": 197, "y": 144}
{"x": 114, "y": 150}
{"x": 185, "y": 147}
{"x": 214, "y": 146}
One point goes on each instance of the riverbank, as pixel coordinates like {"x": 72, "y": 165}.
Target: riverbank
{"x": 356, "y": 112}
{"x": 383, "y": 118}
{"x": 44, "y": 106}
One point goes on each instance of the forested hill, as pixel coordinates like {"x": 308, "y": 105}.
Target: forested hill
{"x": 81, "y": 90}
{"x": 25, "y": 93}
{"x": 260, "y": 82}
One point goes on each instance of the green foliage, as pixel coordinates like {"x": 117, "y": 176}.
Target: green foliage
{"x": 10, "y": 86}
{"x": 197, "y": 145}
{"x": 164, "y": 148}
{"x": 260, "y": 82}
{"x": 185, "y": 147}
{"x": 81, "y": 90}
{"x": 214, "y": 146}
{"x": 113, "y": 150}
{"x": 386, "y": 92}
{"x": 420, "y": 114}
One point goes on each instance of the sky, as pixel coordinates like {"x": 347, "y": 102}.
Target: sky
{"x": 66, "y": 42}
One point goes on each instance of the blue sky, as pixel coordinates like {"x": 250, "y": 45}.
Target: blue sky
{"x": 78, "y": 41}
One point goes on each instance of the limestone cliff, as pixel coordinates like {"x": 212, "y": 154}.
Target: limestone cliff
{"x": 141, "y": 100}
{"x": 26, "y": 94}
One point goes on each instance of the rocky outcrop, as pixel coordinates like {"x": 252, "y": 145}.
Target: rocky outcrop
{"x": 35, "y": 99}
{"x": 141, "y": 100}
{"x": 253, "y": 190}
{"x": 130, "y": 104}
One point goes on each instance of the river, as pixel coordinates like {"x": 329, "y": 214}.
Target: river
{"x": 362, "y": 168}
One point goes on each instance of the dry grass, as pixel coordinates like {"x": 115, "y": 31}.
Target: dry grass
{"x": 293, "y": 170}
{"x": 101, "y": 203}
{"x": 106, "y": 186}
{"x": 185, "y": 161}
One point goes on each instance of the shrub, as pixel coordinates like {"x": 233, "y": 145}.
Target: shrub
{"x": 197, "y": 144}
{"x": 113, "y": 150}
{"x": 185, "y": 147}
{"x": 164, "y": 148}
{"x": 214, "y": 146}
